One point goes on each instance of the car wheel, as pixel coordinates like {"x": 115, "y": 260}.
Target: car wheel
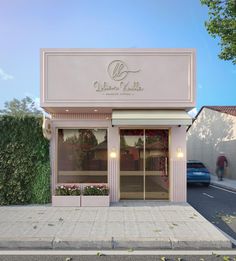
{"x": 206, "y": 184}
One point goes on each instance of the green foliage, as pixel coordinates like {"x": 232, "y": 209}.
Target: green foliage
{"x": 23, "y": 151}
{"x": 20, "y": 108}
{"x": 41, "y": 189}
{"x": 222, "y": 23}
{"x": 96, "y": 190}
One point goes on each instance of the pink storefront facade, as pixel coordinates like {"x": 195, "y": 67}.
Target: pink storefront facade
{"x": 119, "y": 117}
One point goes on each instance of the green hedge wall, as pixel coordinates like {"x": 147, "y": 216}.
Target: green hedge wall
{"x": 24, "y": 161}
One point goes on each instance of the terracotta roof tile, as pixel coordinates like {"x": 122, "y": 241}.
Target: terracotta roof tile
{"x": 225, "y": 109}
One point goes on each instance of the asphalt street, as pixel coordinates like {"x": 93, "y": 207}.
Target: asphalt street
{"x": 216, "y": 205}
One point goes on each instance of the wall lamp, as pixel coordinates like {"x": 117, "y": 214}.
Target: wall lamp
{"x": 113, "y": 154}
{"x": 179, "y": 153}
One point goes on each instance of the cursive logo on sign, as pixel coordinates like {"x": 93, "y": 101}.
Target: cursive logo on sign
{"x": 118, "y": 70}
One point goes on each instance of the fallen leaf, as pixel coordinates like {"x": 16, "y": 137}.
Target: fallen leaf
{"x": 215, "y": 254}
{"x": 100, "y": 254}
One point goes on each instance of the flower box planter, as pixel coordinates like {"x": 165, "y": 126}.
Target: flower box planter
{"x": 66, "y": 201}
{"x": 95, "y": 201}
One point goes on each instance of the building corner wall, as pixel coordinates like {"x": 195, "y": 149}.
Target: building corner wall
{"x": 211, "y": 133}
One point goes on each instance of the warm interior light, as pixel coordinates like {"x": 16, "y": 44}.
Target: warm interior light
{"x": 113, "y": 154}
{"x": 180, "y": 153}
{"x": 95, "y": 110}
{"x": 67, "y": 110}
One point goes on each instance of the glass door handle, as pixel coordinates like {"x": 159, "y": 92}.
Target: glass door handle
{"x": 166, "y": 166}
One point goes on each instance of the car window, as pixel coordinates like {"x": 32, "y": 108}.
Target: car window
{"x": 195, "y": 165}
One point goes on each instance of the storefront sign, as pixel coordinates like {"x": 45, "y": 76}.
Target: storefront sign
{"x": 118, "y": 72}
{"x": 120, "y": 78}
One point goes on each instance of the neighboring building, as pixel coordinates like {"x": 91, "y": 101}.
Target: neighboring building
{"x": 119, "y": 116}
{"x": 213, "y": 131}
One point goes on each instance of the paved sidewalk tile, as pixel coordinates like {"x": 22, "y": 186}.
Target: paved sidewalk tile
{"x": 135, "y": 224}
{"x": 225, "y": 183}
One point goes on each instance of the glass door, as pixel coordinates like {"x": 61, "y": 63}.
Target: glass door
{"x": 156, "y": 164}
{"x": 131, "y": 164}
{"x": 144, "y": 164}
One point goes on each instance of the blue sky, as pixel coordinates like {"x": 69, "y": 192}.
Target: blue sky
{"x": 28, "y": 25}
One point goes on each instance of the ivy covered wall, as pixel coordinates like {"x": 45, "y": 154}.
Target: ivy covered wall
{"x": 24, "y": 161}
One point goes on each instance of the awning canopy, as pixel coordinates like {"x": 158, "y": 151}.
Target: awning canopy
{"x": 150, "y": 117}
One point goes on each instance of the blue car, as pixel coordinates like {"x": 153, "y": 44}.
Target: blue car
{"x": 198, "y": 173}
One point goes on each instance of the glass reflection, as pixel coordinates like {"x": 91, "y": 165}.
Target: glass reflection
{"x": 131, "y": 164}
{"x": 156, "y": 164}
{"x": 144, "y": 164}
{"x": 82, "y": 156}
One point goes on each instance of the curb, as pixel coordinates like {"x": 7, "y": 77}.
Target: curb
{"x": 126, "y": 252}
{"x": 119, "y": 244}
{"x": 233, "y": 241}
{"x": 223, "y": 186}
{"x": 33, "y": 244}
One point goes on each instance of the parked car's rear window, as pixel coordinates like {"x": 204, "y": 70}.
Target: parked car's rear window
{"x": 197, "y": 165}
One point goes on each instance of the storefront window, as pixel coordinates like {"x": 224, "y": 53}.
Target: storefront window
{"x": 82, "y": 156}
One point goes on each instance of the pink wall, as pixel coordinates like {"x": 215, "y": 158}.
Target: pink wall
{"x": 76, "y": 83}
{"x": 81, "y": 79}
{"x": 177, "y": 166}
{"x": 178, "y": 186}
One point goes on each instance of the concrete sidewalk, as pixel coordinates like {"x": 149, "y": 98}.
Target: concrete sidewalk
{"x": 225, "y": 183}
{"x": 126, "y": 225}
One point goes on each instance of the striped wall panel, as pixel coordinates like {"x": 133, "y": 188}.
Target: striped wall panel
{"x": 81, "y": 116}
{"x": 113, "y": 179}
{"x": 52, "y": 150}
{"x": 113, "y": 163}
{"x": 179, "y": 181}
